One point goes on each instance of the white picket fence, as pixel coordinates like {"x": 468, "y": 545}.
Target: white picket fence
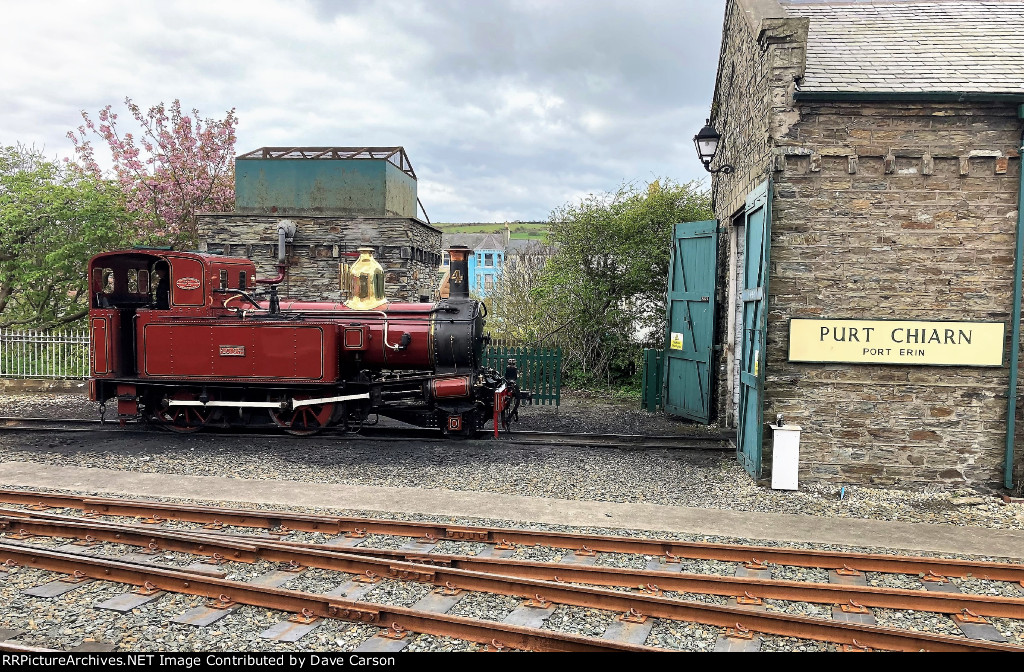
{"x": 40, "y": 354}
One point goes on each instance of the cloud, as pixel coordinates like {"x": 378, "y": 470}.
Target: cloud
{"x": 507, "y": 108}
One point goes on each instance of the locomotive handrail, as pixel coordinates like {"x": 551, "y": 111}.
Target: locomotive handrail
{"x": 238, "y": 294}
{"x": 336, "y": 311}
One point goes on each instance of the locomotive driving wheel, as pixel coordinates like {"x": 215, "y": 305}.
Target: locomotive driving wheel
{"x": 185, "y": 419}
{"x": 304, "y": 420}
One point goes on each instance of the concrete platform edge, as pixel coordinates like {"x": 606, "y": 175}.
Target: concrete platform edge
{"x": 650, "y": 517}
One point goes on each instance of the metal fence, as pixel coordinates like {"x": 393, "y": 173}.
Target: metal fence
{"x": 540, "y": 369}
{"x": 65, "y": 354}
{"x": 41, "y": 354}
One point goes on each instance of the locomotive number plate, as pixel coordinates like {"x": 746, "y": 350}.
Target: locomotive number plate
{"x": 232, "y": 351}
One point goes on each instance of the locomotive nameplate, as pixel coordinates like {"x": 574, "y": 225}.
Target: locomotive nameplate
{"x": 897, "y": 342}
{"x": 232, "y": 351}
{"x": 188, "y": 283}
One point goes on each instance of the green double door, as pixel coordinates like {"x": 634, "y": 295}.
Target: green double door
{"x": 754, "y": 296}
{"x": 691, "y": 321}
{"x": 690, "y": 334}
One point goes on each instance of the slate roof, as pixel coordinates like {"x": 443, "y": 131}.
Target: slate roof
{"x": 529, "y": 245}
{"x": 962, "y": 46}
{"x": 474, "y": 241}
{"x": 470, "y": 240}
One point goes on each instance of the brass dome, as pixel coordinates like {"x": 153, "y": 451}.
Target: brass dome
{"x": 366, "y": 282}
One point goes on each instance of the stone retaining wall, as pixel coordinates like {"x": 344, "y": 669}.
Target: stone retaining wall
{"x": 26, "y": 385}
{"x": 408, "y": 250}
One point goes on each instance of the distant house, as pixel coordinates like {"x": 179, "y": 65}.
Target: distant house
{"x": 528, "y": 250}
{"x": 485, "y": 263}
{"x": 491, "y": 253}
{"x": 490, "y": 257}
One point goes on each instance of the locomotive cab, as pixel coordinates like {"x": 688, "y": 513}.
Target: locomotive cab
{"x": 126, "y": 284}
{"x": 120, "y": 284}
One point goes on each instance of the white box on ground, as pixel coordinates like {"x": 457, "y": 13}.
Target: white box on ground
{"x": 785, "y": 456}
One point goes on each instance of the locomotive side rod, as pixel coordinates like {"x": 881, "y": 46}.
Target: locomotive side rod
{"x": 266, "y": 404}
{"x": 874, "y": 636}
{"x": 228, "y": 404}
{"x": 669, "y": 548}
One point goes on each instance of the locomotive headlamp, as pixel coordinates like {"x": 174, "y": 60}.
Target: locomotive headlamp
{"x": 707, "y": 147}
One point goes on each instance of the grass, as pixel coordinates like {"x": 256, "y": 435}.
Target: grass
{"x": 521, "y": 230}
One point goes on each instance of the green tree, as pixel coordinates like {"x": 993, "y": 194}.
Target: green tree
{"x": 517, "y": 315}
{"x": 603, "y": 291}
{"x": 53, "y": 217}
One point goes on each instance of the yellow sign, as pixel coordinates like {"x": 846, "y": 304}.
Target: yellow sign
{"x": 897, "y": 342}
{"x": 677, "y": 341}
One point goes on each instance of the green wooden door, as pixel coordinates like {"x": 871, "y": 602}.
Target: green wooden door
{"x": 754, "y": 294}
{"x": 691, "y": 321}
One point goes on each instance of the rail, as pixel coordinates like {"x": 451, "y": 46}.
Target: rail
{"x": 549, "y": 583}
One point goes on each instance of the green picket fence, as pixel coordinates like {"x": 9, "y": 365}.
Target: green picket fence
{"x": 540, "y": 369}
{"x": 654, "y": 374}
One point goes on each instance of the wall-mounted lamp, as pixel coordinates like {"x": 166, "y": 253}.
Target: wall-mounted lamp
{"x": 707, "y": 146}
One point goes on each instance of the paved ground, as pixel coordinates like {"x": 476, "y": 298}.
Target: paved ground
{"x": 743, "y": 524}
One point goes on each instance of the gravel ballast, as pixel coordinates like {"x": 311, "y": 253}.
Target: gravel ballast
{"x": 709, "y": 480}
{"x": 701, "y": 479}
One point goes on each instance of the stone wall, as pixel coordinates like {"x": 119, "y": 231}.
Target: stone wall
{"x": 408, "y": 250}
{"x": 762, "y": 55}
{"x": 894, "y": 211}
{"x": 882, "y": 210}
{"x": 762, "y": 58}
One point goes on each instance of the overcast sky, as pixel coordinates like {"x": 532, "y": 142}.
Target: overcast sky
{"x": 507, "y": 109}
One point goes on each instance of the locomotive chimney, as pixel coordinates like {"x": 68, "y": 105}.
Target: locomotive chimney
{"x": 458, "y": 273}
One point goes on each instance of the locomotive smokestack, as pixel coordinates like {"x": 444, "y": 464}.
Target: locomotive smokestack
{"x": 458, "y": 272}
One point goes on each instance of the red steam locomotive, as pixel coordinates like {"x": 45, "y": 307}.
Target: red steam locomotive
{"x": 186, "y": 341}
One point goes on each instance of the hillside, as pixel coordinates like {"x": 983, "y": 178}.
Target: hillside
{"x": 525, "y": 230}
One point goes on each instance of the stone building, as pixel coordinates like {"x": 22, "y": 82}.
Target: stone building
{"x": 339, "y": 198}
{"x": 877, "y": 145}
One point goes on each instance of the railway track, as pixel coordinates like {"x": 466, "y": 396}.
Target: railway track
{"x": 636, "y": 441}
{"x": 576, "y": 580}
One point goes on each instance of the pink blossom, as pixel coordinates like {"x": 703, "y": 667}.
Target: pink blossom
{"x": 183, "y": 165}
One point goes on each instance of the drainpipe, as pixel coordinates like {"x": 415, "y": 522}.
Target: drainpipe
{"x": 1018, "y": 266}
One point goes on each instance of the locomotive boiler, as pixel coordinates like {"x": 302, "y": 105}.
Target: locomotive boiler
{"x": 189, "y": 340}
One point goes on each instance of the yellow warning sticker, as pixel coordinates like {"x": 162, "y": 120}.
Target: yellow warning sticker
{"x": 677, "y": 341}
